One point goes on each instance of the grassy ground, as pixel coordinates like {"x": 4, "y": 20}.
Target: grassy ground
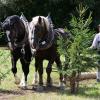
{"x": 88, "y": 90}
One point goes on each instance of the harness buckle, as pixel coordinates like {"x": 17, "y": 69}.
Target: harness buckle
{"x": 23, "y": 50}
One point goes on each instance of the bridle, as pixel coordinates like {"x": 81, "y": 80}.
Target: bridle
{"x": 13, "y": 43}
{"x": 46, "y": 43}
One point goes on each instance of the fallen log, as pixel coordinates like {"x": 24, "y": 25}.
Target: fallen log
{"x": 84, "y": 76}
{"x": 87, "y": 75}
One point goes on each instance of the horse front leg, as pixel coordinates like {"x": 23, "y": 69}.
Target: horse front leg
{"x": 25, "y": 68}
{"x": 48, "y": 70}
{"x": 39, "y": 66}
{"x": 35, "y": 79}
{"x": 14, "y": 60}
{"x": 59, "y": 66}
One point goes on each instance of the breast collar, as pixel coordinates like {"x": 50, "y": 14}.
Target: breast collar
{"x": 47, "y": 41}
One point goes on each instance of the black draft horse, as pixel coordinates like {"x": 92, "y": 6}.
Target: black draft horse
{"x": 16, "y": 31}
{"x": 43, "y": 41}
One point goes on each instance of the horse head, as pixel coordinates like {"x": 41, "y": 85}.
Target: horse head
{"x": 15, "y": 31}
{"x": 40, "y": 34}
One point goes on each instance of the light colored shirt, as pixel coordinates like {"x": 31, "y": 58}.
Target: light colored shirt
{"x": 96, "y": 41}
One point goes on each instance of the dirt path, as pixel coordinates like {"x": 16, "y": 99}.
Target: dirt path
{"x": 8, "y": 94}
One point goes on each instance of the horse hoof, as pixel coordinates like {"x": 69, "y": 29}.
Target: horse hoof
{"x": 49, "y": 84}
{"x": 17, "y": 81}
{"x": 35, "y": 83}
{"x": 62, "y": 88}
{"x": 23, "y": 87}
{"x": 40, "y": 88}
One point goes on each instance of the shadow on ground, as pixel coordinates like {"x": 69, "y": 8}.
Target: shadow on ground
{"x": 84, "y": 91}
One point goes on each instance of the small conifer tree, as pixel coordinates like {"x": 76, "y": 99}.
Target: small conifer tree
{"x": 77, "y": 57}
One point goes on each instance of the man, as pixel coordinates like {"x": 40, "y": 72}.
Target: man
{"x": 96, "y": 45}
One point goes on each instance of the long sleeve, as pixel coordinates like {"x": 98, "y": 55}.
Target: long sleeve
{"x": 95, "y": 42}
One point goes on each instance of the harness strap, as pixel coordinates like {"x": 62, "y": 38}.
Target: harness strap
{"x": 50, "y": 39}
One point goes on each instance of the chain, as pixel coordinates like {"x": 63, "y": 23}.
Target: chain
{"x": 3, "y": 75}
{"x": 5, "y": 59}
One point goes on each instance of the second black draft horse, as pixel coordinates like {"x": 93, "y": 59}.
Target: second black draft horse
{"x": 17, "y": 36}
{"x": 43, "y": 41}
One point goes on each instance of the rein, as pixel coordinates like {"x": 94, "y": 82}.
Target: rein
{"x": 46, "y": 44}
{"x": 25, "y": 22}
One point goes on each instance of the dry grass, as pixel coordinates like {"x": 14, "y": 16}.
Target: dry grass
{"x": 89, "y": 89}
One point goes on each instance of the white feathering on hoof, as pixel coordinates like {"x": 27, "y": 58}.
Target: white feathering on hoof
{"x": 23, "y": 83}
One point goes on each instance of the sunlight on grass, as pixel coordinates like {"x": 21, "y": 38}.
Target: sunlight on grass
{"x": 52, "y": 96}
{"x": 88, "y": 90}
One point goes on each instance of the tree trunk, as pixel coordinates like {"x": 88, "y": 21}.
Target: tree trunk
{"x": 73, "y": 83}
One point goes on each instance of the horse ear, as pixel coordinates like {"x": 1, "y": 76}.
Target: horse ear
{"x": 50, "y": 20}
{"x": 39, "y": 20}
{"x": 45, "y": 27}
{"x": 22, "y": 17}
{"x": 48, "y": 16}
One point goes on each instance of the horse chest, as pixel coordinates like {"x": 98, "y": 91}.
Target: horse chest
{"x": 46, "y": 54}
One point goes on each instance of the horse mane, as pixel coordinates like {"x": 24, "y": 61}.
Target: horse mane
{"x": 19, "y": 27}
{"x": 48, "y": 34}
{"x": 44, "y": 22}
{"x": 10, "y": 20}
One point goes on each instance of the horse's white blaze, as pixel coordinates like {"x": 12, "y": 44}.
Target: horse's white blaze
{"x": 8, "y": 33}
{"x": 98, "y": 75}
{"x": 35, "y": 80}
{"x": 23, "y": 83}
{"x": 9, "y": 43}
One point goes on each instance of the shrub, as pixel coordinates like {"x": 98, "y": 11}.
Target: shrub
{"x": 77, "y": 57}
